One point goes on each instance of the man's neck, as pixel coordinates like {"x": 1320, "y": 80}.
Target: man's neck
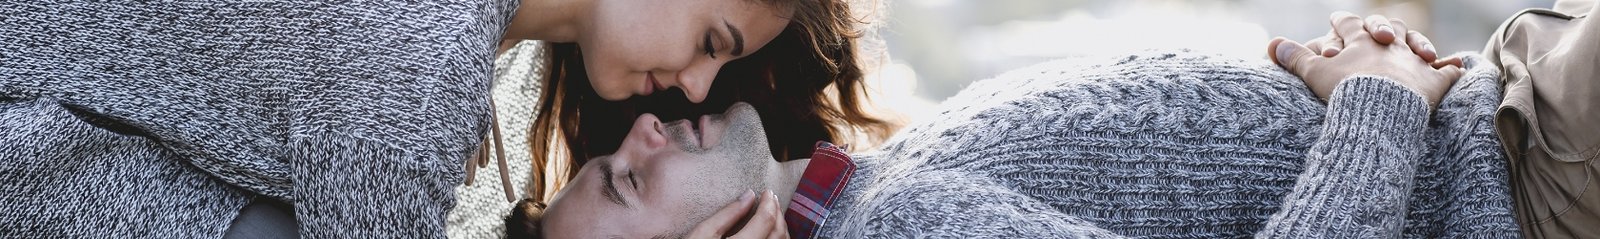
{"x": 789, "y": 178}
{"x": 549, "y": 20}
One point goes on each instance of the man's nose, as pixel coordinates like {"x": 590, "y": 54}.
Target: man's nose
{"x": 647, "y": 131}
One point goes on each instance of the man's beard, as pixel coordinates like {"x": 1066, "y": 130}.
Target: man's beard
{"x": 740, "y": 162}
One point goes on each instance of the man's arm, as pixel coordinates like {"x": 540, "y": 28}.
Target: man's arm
{"x": 956, "y": 204}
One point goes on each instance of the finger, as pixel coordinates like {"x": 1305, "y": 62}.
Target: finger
{"x": 1451, "y": 73}
{"x": 1452, "y": 61}
{"x": 1332, "y": 46}
{"x": 1315, "y": 45}
{"x": 1422, "y": 46}
{"x": 722, "y": 220}
{"x": 1347, "y": 26}
{"x": 1291, "y": 55}
{"x": 1382, "y": 31}
{"x": 780, "y": 229}
{"x": 1327, "y": 45}
{"x": 762, "y": 218}
{"x": 1401, "y": 30}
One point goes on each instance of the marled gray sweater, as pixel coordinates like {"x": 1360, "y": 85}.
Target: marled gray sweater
{"x": 1185, "y": 145}
{"x": 162, "y": 119}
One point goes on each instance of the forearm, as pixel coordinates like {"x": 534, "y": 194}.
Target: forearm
{"x": 1359, "y": 172}
{"x": 347, "y": 187}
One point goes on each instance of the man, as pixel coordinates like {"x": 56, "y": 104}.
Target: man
{"x": 1158, "y": 144}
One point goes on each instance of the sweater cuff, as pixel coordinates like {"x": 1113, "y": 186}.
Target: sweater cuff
{"x": 1373, "y": 107}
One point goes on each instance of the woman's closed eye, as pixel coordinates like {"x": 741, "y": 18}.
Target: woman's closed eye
{"x": 710, "y": 50}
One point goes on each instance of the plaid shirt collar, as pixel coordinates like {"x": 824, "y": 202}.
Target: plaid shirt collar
{"x": 825, "y": 177}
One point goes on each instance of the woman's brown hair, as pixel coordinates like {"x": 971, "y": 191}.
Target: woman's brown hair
{"x": 787, "y": 82}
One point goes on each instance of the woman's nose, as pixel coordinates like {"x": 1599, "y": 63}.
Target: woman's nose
{"x": 696, "y": 81}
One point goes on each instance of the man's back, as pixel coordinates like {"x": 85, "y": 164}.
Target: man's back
{"x": 1150, "y": 145}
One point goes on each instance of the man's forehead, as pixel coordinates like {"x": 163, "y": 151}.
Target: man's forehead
{"x": 577, "y": 211}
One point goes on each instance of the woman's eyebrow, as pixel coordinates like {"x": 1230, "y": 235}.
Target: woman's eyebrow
{"x": 738, "y": 38}
{"x": 609, "y": 187}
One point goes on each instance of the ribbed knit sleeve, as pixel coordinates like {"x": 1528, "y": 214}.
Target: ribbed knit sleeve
{"x": 1358, "y": 174}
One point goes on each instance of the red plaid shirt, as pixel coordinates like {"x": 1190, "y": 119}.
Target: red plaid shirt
{"x": 825, "y": 177}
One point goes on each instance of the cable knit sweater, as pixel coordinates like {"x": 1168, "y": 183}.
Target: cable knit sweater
{"x": 1185, "y": 145}
{"x": 163, "y": 119}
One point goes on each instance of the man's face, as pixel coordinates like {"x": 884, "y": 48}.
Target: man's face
{"x": 665, "y": 178}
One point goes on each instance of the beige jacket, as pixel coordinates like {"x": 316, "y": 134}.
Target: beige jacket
{"x": 1549, "y": 121}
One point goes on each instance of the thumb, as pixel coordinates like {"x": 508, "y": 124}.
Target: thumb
{"x": 1291, "y": 55}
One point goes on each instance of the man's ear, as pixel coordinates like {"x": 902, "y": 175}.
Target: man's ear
{"x": 526, "y": 219}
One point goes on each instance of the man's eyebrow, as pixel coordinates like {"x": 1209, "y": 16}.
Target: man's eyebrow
{"x": 610, "y": 187}
{"x": 738, "y": 38}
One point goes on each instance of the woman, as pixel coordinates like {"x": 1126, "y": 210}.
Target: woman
{"x": 171, "y": 117}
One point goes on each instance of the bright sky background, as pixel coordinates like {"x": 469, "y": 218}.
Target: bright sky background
{"x": 938, "y": 46}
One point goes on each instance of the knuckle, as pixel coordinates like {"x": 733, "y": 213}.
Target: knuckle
{"x": 1346, "y": 18}
{"x": 1377, "y": 19}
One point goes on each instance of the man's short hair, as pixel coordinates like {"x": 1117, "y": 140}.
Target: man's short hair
{"x": 525, "y": 219}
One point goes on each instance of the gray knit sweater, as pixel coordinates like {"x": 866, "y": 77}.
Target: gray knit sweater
{"x": 1185, "y": 145}
{"x": 162, "y": 119}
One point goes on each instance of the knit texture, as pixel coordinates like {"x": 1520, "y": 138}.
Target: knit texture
{"x": 360, "y": 114}
{"x": 481, "y": 207}
{"x": 1174, "y": 144}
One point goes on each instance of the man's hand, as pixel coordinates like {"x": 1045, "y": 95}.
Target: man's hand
{"x": 767, "y": 221}
{"x": 1330, "y": 45}
{"x": 1356, "y": 47}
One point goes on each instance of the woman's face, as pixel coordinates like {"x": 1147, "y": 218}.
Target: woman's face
{"x": 638, "y": 47}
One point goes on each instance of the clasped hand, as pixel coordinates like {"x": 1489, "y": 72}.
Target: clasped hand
{"x": 1370, "y": 46}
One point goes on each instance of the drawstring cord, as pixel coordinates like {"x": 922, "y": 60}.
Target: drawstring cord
{"x": 481, "y": 157}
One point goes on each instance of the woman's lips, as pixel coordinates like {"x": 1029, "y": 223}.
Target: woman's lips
{"x": 650, "y": 83}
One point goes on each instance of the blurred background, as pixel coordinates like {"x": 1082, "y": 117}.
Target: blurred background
{"x": 936, "y": 47}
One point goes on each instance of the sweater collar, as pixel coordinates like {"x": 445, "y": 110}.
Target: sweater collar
{"x": 824, "y": 179}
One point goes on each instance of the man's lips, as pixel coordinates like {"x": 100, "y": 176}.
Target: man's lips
{"x": 692, "y": 130}
{"x": 705, "y": 120}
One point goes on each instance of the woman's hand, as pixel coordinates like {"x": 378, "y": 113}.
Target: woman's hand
{"x": 1355, "y": 48}
{"x": 766, "y": 222}
{"x": 1329, "y": 45}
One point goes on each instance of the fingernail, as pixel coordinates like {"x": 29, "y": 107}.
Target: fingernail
{"x": 1283, "y": 51}
{"x": 1385, "y": 28}
{"x": 1429, "y": 48}
{"x": 748, "y": 194}
{"x": 772, "y": 207}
